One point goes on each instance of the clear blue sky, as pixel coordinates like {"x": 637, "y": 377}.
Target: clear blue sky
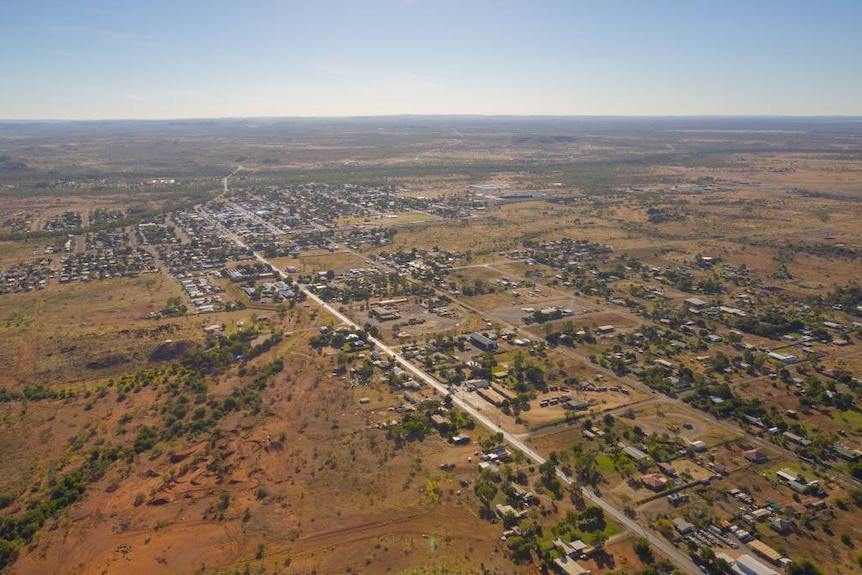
{"x": 88, "y": 59}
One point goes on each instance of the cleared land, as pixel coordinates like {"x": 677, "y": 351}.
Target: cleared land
{"x": 180, "y": 421}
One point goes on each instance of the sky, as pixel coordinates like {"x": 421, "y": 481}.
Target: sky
{"x": 160, "y": 59}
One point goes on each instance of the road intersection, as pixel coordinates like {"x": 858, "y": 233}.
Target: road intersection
{"x": 681, "y": 560}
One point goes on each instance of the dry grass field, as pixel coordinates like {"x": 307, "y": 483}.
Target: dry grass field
{"x": 85, "y": 332}
{"x": 244, "y": 468}
{"x": 309, "y": 481}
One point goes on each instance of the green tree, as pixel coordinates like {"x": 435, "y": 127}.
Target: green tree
{"x": 803, "y": 567}
{"x": 485, "y": 491}
{"x": 535, "y": 376}
{"x": 643, "y": 550}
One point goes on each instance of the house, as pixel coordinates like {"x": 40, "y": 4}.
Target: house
{"x": 753, "y": 420}
{"x": 573, "y": 549}
{"x": 527, "y": 497}
{"x": 654, "y": 481}
{"x": 799, "y": 487}
{"x": 504, "y": 510}
{"x": 780, "y": 525}
{"x": 696, "y": 302}
{"x": 492, "y": 396}
{"x": 677, "y": 498}
{"x": 576, "y": 405}
{"x": 732, "y": 311}
{"x": 605, "y": 329}
{"x": 666, "y": 468}
{"x": 478, "y": 384}
{"x": 755, "y": 456}
{"x": 814, "y": 504}
{"x": 743, "y": 535}
{"x": 460, "y": 439}
{"x": 682, "y": 526}
{"x": 439, "y": 422}
{"x": 383, "y": 314}
{"x": 551, "y": 313}
{"x": 846, "y": 453}
{"x": 797, "y": 439}
{"x": 698, "y": 446}
{"x": 782, "y": 357}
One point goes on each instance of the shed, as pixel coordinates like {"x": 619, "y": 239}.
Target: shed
{"x": 633, "y": 452}
{"x": 764, "y": 550}
{"x": 755, "y": 456}
{"x": 748, "y": 565}
{"x": 682, "y": 526}
{"x": 483, "y": 342}
{"x": 788, "y": 475}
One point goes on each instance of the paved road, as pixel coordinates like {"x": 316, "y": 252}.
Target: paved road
{"x": 516, "y": 441}
{"x": 681, "y": 560}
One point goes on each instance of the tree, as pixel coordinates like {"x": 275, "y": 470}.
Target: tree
{"x": 8, "y": 553}
{"x": 719, "y": 362}
{"x": 803, "y": 567}
{"x": 535, "y": 376}
{"x": 519, "y": 457}
{"x": 594, "y": 517}
{"x": 643, "y": 550}
{"x": 485, "y": 491}
{"x": 576, "y": 495}
{"x": 518, "y": 365}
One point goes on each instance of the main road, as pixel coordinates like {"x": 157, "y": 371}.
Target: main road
{"x": 680, "y": 559}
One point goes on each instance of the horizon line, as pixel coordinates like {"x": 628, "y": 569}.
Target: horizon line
{"x": 438, "y": 115}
